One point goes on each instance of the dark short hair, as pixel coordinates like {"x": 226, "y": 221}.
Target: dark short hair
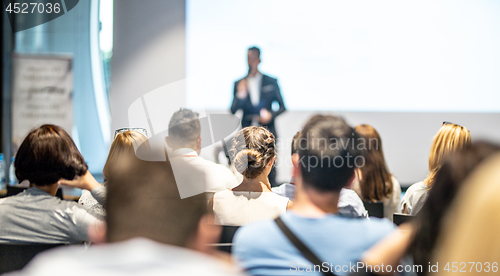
{"x": 328, "y": 151}
{"x": 48, "y": 154}
{"x": 255, "y": 49}
{"x": 184, "y": 126}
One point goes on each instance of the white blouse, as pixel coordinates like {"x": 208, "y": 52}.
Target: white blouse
{"x": 241, "y": 207}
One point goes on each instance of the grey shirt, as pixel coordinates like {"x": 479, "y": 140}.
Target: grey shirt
{"x": 89, "y": 200}
{"x": 35, "y": 216}
{"x": 414, "y": 198}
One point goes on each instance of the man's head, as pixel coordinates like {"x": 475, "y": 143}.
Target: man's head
{"x": 253, "y": 60}
{"x": 327, "y": 154}
{"x": 184, "y": 130}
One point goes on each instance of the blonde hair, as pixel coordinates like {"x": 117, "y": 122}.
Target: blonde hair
{"x": 450, "y": 137}
{"x": 470, "y": 230}
{"x": 125, "y": 142}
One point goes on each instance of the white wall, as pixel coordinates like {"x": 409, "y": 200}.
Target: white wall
{"x": 149, "y": 52}
{"x": 406, "y": 137}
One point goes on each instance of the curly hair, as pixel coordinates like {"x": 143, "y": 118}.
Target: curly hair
{"x": 253, "y": 148}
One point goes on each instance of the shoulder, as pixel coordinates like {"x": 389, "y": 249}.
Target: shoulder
{"x": 416, "y": 189}
{"x": 395, "y": 181}
{"x": 274, "y": 195}
{"x": 376, "y": 228}
{"x": 198, "y": 160}
{"x": 349, "y": 197}
{"x": 254, "y": 236}
{"x": 414, "y": 197}
{"x": 396, "y": 186}
{"x": 415, "y": 186}
{"x": 223, "y": 194}
{"x": 86, "y": 197}
{"x": 207, "y": 165}
{"x": 238, "y": 80}
{"x": 268, "y": 79}
{"x": 279, "y": 190}
{"x": 273, "y": 199}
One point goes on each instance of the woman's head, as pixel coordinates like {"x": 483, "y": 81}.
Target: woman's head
{"x": 46, "y": 155}
{"x": 450, "y": 137}
{"x": 253, "y": 149}
{"x": 125, "y": 142}
{"x": 376, "y": 183}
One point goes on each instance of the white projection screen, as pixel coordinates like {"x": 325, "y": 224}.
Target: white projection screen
{"x": 401, "y": 66}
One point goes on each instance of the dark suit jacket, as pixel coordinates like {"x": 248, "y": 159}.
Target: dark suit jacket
{"x": 269, "y": 93}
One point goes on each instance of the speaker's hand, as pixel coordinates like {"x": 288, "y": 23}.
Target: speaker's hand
{"x": 242, "y": 89}
{"x": 265, "y": 116}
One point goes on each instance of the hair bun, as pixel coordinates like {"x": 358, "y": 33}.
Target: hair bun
{"x": 249, "y": 162}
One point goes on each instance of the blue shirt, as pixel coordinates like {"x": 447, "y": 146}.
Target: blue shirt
{"x": 262, "y": 249}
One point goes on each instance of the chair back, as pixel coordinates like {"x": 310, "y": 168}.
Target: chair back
{"x": 226, "y": 238}
{"x": 375, "y": 209}
{"x": 16, "y": 256}
{"x": 13, "y": 190}
{"x": 401, "y": 218}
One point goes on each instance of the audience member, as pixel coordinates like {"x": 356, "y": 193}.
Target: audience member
{"x": 45, "y": 158}
{"x": 253, "y": 154}
{"x": 375, "y": 182}
{"x": 424, "y": 232}
{"x": 321, "y": 169}
{"x": 469, "y": 238}
{"x": 448, "y": 181}
{"x": 193, "y": 173}
{"x": 125, "y": 142}
{"x": 349, "y": 202}
{"x": 150, "y": 230}
{"x": 450, "y": 137}
{"x": 288, "y": 189}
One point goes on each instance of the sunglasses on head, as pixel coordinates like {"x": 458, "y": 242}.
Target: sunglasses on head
{"x": 138, "y": 129}
{"x": 450, "y": 123}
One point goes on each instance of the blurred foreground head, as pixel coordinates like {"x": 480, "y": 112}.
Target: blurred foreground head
{"x": 449, "y": 180}
{"x": 470, "y": 230}
{"x": 143, "y": 201}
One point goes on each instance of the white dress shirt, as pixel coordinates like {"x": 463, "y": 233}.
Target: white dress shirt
{"x": 254, "y": 84}
{"x": 195, "y": 175}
